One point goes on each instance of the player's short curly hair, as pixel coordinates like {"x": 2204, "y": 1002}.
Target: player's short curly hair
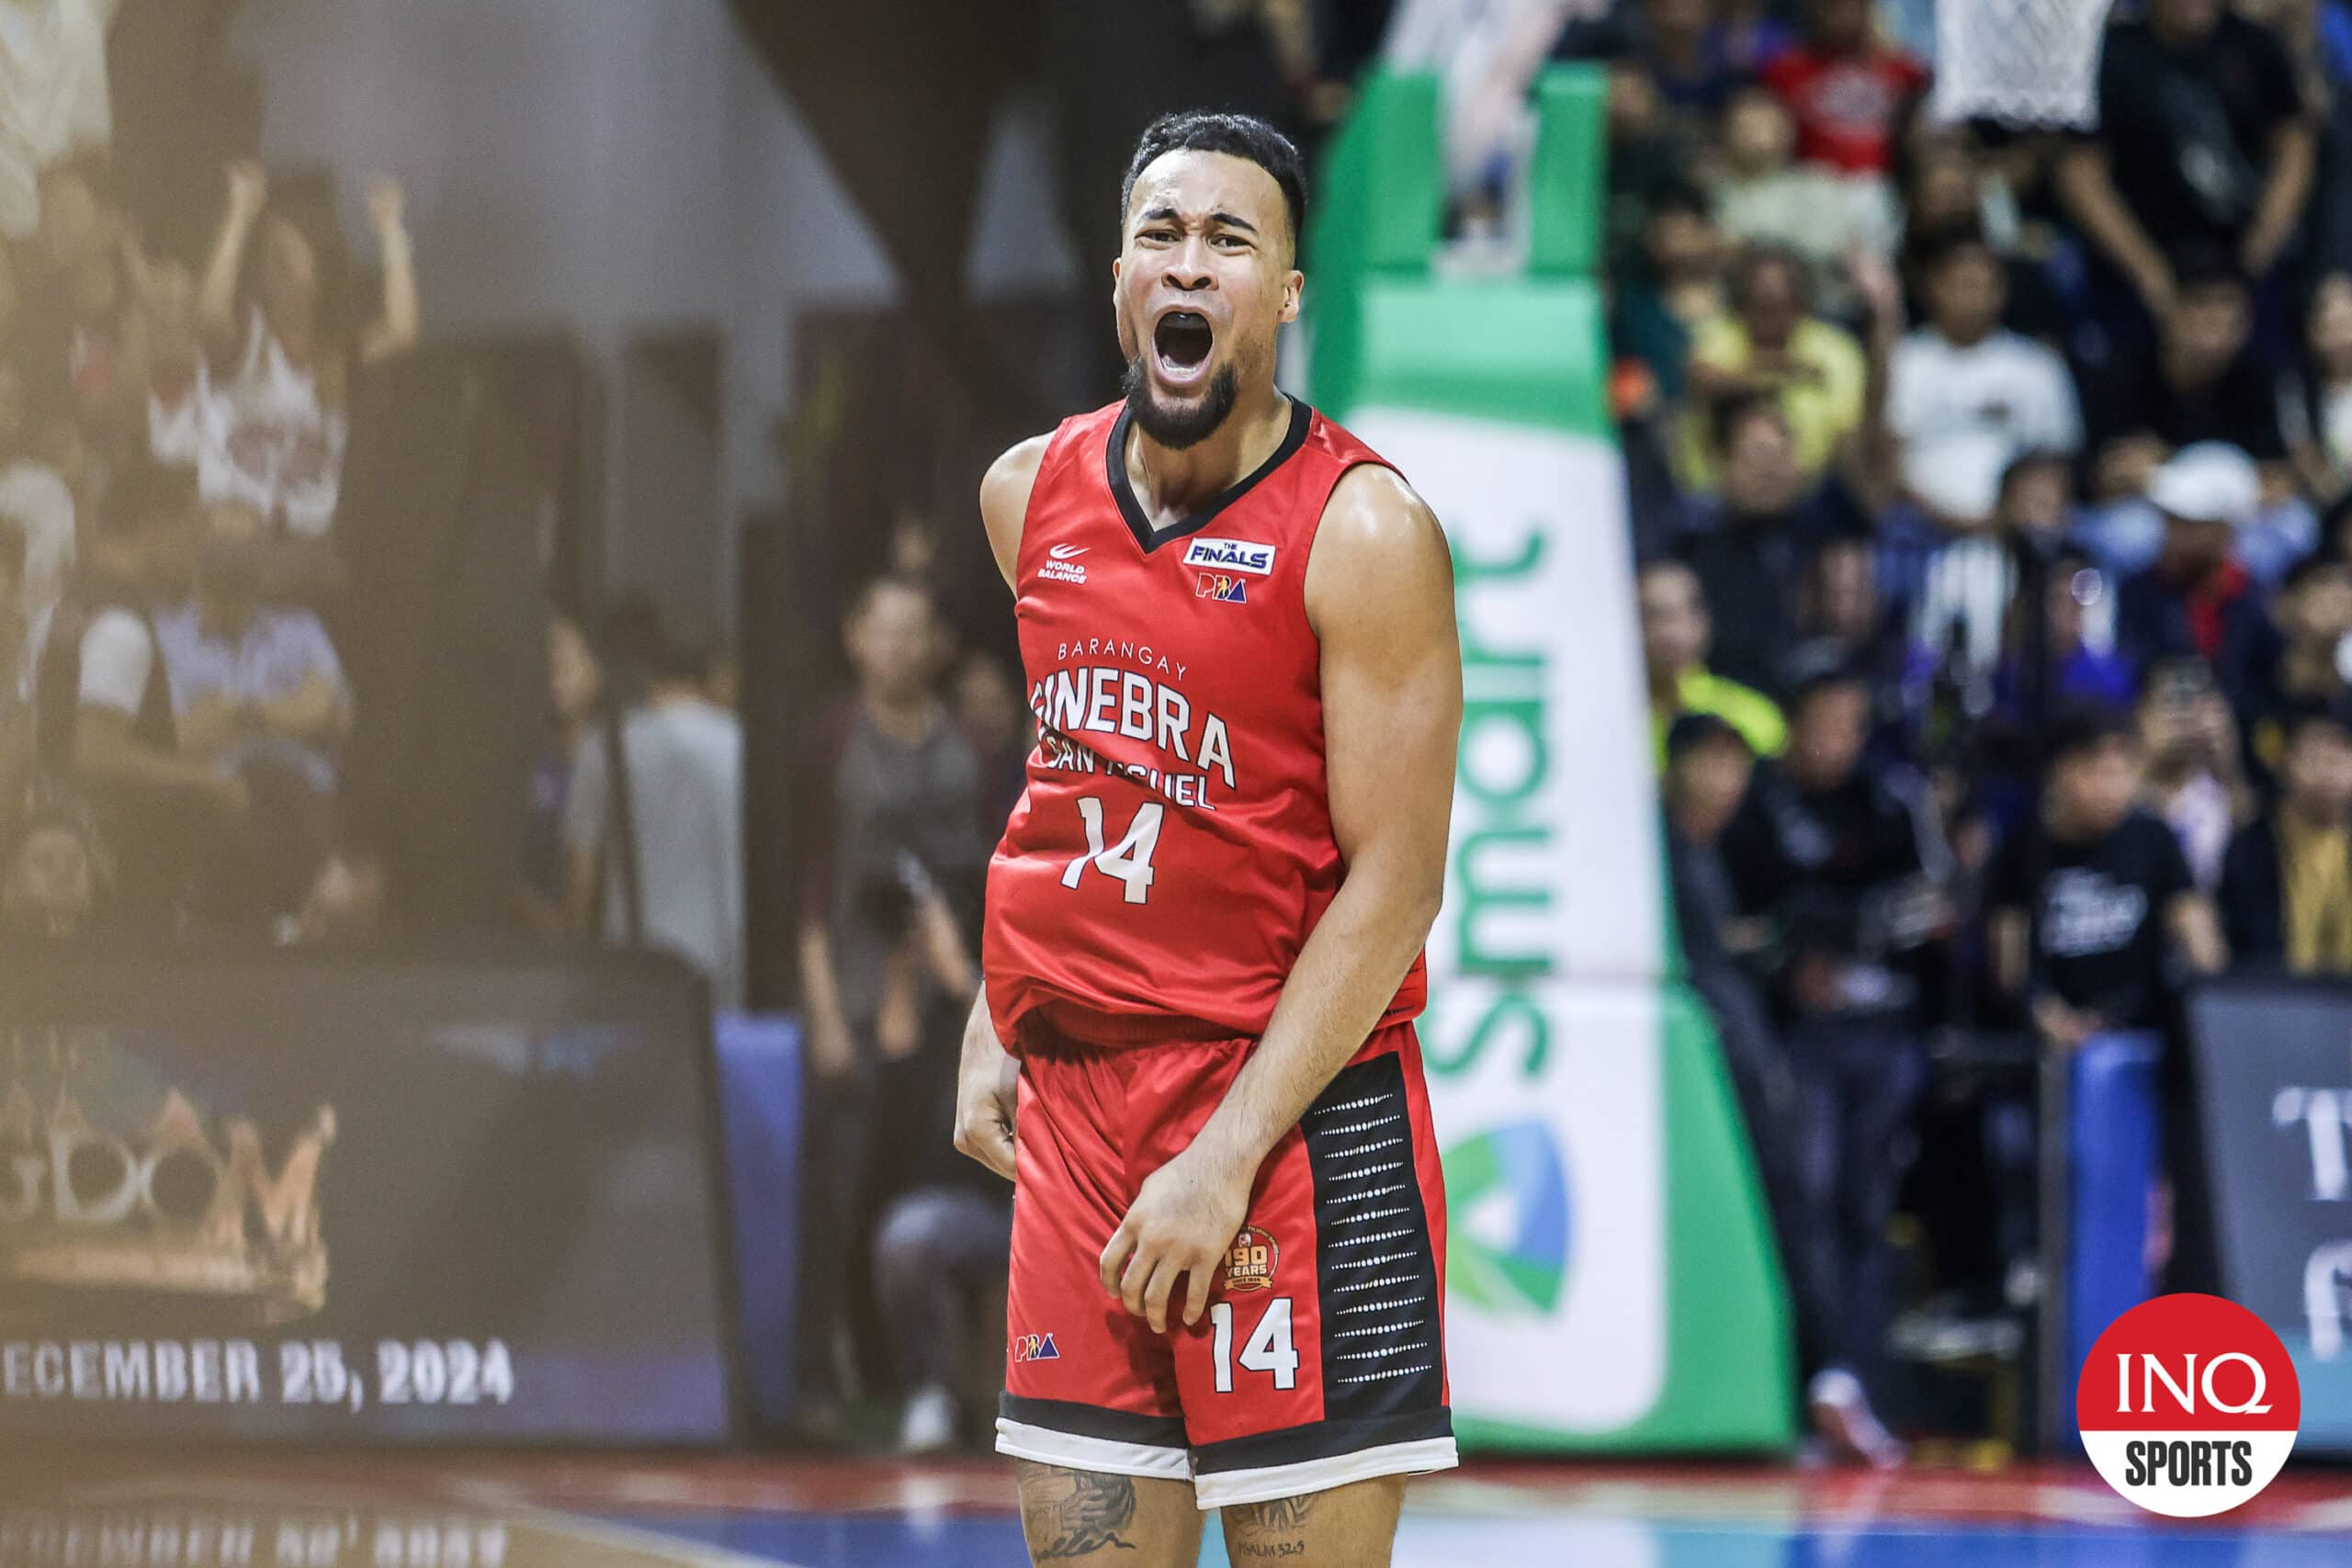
{"x": 1237, "y": 135}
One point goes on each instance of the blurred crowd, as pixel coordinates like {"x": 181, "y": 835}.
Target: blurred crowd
{"x": 918, "y": 766}
{"x": 1991, "y": 504}
{"x": 175, "y": 411}
{"x": 186, "y": 343}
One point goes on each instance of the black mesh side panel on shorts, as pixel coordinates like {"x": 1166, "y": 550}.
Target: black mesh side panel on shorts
{"x": 1375, "y": 1271}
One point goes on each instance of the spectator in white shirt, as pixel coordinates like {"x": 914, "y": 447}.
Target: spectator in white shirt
{"x": 276, "y": 440}
{"x": 34, "y": 500}
{"x": 1965, "y": 397}
{"x": 683, "y": 754}
{"x": 54, "y": 100}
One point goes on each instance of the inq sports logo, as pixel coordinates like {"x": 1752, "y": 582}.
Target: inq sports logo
{"x": 2188, "y": 1406}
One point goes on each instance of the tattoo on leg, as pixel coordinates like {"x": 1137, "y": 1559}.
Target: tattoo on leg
{"x": 1269, "y": 1532}
{"x": 1075, "y": 1513}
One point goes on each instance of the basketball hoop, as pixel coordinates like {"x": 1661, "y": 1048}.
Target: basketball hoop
{"x": 2023, "y": 64}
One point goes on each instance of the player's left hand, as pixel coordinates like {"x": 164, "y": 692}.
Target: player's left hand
{"x": 1183, "y": 1222}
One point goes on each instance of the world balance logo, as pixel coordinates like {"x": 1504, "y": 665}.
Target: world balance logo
{"x": 1507, "y": 1220}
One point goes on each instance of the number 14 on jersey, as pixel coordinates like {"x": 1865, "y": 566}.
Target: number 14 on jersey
{"x": 1129, "y": 860}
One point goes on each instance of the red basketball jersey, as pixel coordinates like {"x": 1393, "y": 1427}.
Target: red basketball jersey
{"x": 1173, "y": 848}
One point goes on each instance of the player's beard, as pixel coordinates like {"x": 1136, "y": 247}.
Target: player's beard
{"x": 1179, "y": 428}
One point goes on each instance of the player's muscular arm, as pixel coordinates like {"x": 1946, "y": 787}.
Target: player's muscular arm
{"x": 1380, "y": 593}
{"x": 1004, "y": 498}
{"x": 987, "y": 1074}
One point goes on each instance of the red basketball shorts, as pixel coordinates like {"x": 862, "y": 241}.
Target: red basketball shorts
{"x": 1321, "y": 1359}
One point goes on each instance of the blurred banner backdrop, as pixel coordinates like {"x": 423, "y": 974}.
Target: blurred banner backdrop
{"x": 2274, "y": 1073}
{"x": 1612, "y": 1282}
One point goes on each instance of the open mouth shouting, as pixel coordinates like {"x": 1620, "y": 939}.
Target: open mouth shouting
{"x": 1181, "y": 345}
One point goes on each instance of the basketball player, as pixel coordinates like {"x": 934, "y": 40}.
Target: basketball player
{"x": 1204, "y": 922}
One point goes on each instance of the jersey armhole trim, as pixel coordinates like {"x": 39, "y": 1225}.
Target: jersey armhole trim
{"x": 1056, "y": 456}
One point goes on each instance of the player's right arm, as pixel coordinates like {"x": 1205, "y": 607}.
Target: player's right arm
{"x": 986, "y": 1079}
{"x": 1004, "y": 498}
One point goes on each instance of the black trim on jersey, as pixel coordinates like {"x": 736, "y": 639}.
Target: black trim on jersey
{"x": 1321, "y": 1440}
{"x": 1150, "y": 538}
{"x": 1093, "y": 1421}
{"x": 1375, "y": 1268}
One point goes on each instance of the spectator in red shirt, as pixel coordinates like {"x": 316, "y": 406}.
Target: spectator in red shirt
{"x": 1845, "y": 88}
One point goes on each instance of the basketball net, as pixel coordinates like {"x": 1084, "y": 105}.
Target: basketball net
{"x": 2021, "y": 63}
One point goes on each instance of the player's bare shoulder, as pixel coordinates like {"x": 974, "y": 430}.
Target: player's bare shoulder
{"x": 1378, "y": 542}
{"x": 1005, "y": 497}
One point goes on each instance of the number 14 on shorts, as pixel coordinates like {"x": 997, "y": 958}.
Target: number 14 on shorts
{"x": 1268, "y": 1350}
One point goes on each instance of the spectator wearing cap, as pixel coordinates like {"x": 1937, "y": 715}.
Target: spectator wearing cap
{"x": 1845, "y": 88}
{"x": 2196, "y": 381}
{"x": 2286, "y": 897}
{"x": 1772, "y": 345}
{"x": 1965, "y": 397}
{"x": 2191, "y": 776}
{"x": 2312, "y": 614}
{"x": 1842, "y": 855}
{"x": 1676, "y": 630}
{"x": 1751, "y": 543}
{"x": 2091, "y": 902}
{"x": 2203, "y": 143}
{"x": 2197, "y": 600}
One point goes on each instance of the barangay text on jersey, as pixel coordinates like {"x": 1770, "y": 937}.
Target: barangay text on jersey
{"x": 1139, "y": 704}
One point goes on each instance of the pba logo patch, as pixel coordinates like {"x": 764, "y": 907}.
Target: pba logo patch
{"x": 1034, "y": 1348}
{"x": 1228, "y": 589}
{"x": 1251, "y": 1262}
{"x": 1230, "y": 555}
{"x": 2188, "y": 1406}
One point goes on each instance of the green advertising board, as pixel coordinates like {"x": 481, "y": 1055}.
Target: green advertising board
{"x": 1611, "y": 1283}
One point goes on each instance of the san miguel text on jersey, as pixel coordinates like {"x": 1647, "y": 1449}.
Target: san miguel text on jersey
{"x": 1174, "y": 846}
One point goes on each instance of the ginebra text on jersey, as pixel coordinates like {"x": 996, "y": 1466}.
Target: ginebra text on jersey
{"x": 1106, "y": 700}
